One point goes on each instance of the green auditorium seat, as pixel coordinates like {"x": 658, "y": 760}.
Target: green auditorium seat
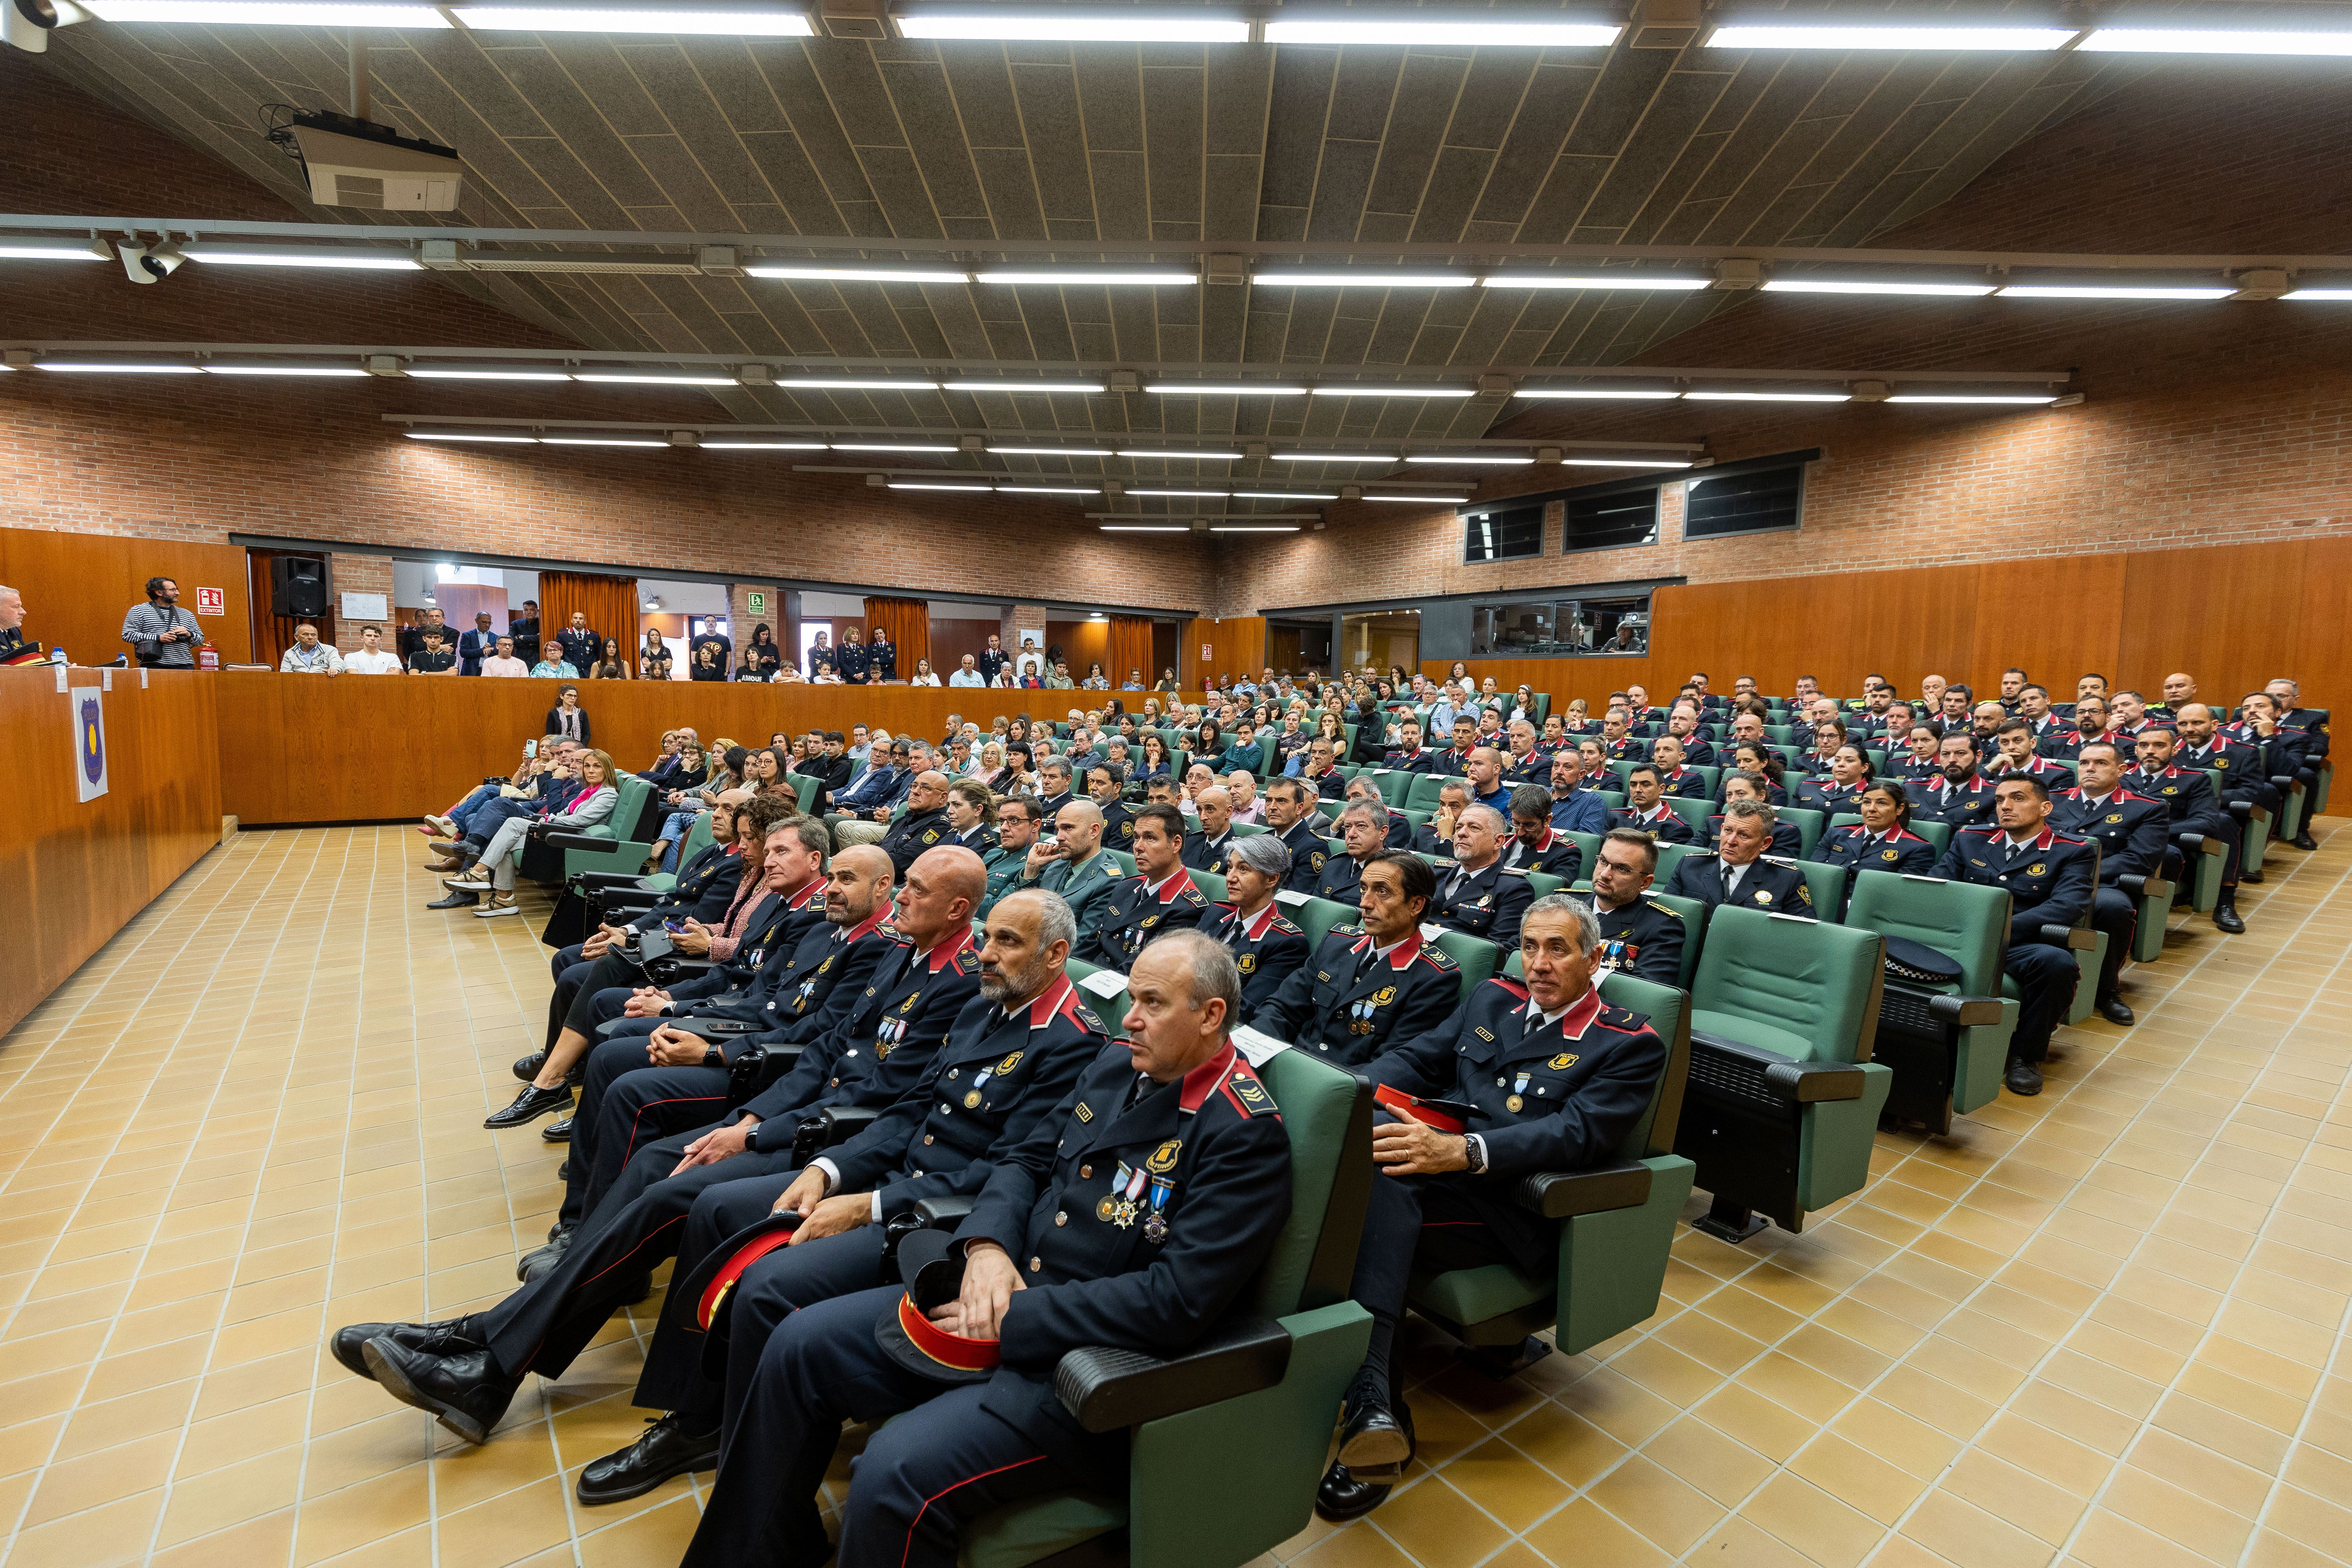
{"x": 1808, "y": 824}
{"x": 805, "y": 789}
{"x": 1126, "y": 861}
{"x": 1824, "y": 884}
{"x": 600, "y": 848}
{"x": 1694, "y": 914}
{"x": 1544, "y": 882}
{"x": 1477, "y": 957}
{"x": 1317, "y": 918}
{"x": 1783, "y": 1096}
{"x": 1426, "y": 786}
{"x": 697, "y": 839}
{"x": 1695, "y": 811}
{"x": 1248, "y": 829}
{"x": 1211, "y": 885}
{"x": 1617, "y": 1220}
{"x": 1945, "y": 1045}
{"x": 1668, "y": 854}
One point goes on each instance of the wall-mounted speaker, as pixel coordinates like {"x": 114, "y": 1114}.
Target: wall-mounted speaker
{"x": 298, "y": 585}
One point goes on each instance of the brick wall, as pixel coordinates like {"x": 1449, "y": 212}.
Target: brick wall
{"x": 354, "y": 572}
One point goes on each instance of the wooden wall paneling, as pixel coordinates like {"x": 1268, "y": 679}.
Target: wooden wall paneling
{"x": 2323, "y": 660}
{"x": 77, "y": 872}
{"x": 1081, "y": 642}
{"x": 78, "y": 587}
{"x": 1236, "y": 644}
{"x": 2171, "y": 597}
{"x": 2054, "y": 617}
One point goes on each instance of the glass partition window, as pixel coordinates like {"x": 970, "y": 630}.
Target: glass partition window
{"x": 1560, "y": 628}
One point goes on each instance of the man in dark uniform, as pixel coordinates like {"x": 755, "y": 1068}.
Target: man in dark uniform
{"x": 466, "y": 1371}
{"x": 579, "y": 643}
{"x": 1527, "y": 761}
{"x": 1638, "y": 934}
{"x": 1009, "y": 1058}
{"x": 1291, "y": 817}
{"x": 1267, "y": 948}
{"x": 1644, "y": 808}
{"x": 1399, "y": 827}
{"x": 2014, "y": 751}
{"x": 1409, "y": 755}
{"x": 1107, "y": 786}
{"x": 1208, "y": 847}
{"x": 1322, "y": 770}
{"x": 2287, "y": 698}
{"x": 1364, "y": 828}
{"x": 2033, "y": 708}
{"x": 1736, "y": 872}
{"x": 1372, "y": 982}
{"x": 2284, "y": 749}
{"x": 2239, "y": 767}
{"x": 2133, "y": 834}
{"x": 1536, "y": 845}
{"x": 1959, "y": 794}
{"x": 1618, "y": 745}
{"x": 1557, "y": 1077}
{"x": 1436, "y": 837}
{"x": 2049, "y": 878}
{"x": 1054, "y": 786}
{"x": 1053, "y": 1261}
{"x": 1674, "y": 778}
{"x": 1455, "y": 761}
{"x": 1476, "y": 896}
{"x": 923, "y": 824}
{"x": 2189, "y": 798}
{"x": 992, "y": 659}
{"x": 2090, "y": 725}
{"x": 1158, "y": 898}
{"x": 1684, "y": 726}
{"x": 524, "y": 629}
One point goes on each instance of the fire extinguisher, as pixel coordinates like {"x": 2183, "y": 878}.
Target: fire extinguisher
{"x": 207, "y": 657}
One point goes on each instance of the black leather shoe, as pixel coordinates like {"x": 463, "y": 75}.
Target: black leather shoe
{"x": 666, "y": 1449}
{"x": 542, "y": 1260}
{"x": 1343, "y": 1496}
{"x": 563, "y": 1172}
{"x": 465, "y": 1392}
{"x": 440, "y": 1339}
{"x": 2226, "y": 917}
{"x": 454, "y": 900}
{"x": 557, "y": 1131}
{"x": 528, "y": 1106}
{"x": 2304, "y": 840}
{"x": 2250, "y": 876}
{"x": 2023, "y": 1077}
{"x": 1371, "y": 1437}
{"x": 2111, "y": 1007}
{"x": 527, "y": 1067}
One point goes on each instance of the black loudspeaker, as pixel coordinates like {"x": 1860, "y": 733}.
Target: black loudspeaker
{"x": 298, "y": 585}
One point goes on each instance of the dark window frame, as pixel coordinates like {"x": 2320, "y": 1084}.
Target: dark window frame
{"x": 1799, "y": 461}
{"x": 1471, "y": 517}
{"x": 1552, "y": 599}
{"x": 1568, "y": 545}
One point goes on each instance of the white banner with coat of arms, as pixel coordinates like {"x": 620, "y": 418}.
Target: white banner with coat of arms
{"x": 88, "y": 713}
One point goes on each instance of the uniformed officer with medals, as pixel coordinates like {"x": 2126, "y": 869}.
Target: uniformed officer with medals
{"x": 1737, "y": 872}
{"x": 2051, "y": 881}
{"x": 1638, "y": 934}
{"x": 1158, "y": 898}
{"x": 1364, "y": 826}
{"x": 923, "y": 824}
{"x": 1268, "y": 947}
{"x": 1476, "y": 896}
{"x": 1523, "y": 1078}
{"x": 1291, "y": 815}
{"x": 958, "y": 1383}
{"x": 2133, "y": 834}
{"x": 1372, "y": 981}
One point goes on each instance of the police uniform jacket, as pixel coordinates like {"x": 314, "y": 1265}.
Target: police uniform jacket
{"x": 1857, "y": 848}
{"x": 913, "y": 833}
{"x": 1996, "y": 768}
{"x": 1330, "y": 785}
{"x": 991, "y": 662}
{"x": 1427, "y": 840}
{"x": 1149, "y": 1274}
{"x": 1081, "y": 886}
{"x": 884, "y": 657}
{"x": 821, "y": 979}
{"x": 704, "y": 890}
{"x": 1267, "y": 948}
{"x": 2284, "y": 751}
{"x": 2132, "y": 831}
{"x": 1004, "y": 867}
{"x": 1488, "y": 903}
{"x": 1341, "y": 880}
{"x": 1400, "y": 833}
{"x": 880, "y": 1049}
{"x": 1629, "y": 748}
{"x": 2187, "y": 794}
{"x": 580, "y": 648}
{"x": 1827, "y": 795}
{"x": 1962, "y": 805}
{"x": 739, "y": 986}
{"x": 2049, "y": 879}
{"x": 1201, "y": 853}
{"x": 1915, "y": 770}
{"x": 994, "y": 1079}
{"x": 1346, "y": 1002}
{"x": 853, "y": 662}
{"x": 1118, "y": 827}
{"x": 2313, "y": 723}
{"x": 1133, "y": 913}
{"x": 1417, "y": 761}
{"x": 1684, "y": 782}
{"x": 1660, "y": 823}
{"x": 1308, "y": 850}
{"x": 2240, "y": 765}
{"x": 2067, "y": 744}
{"x": 1051, "y": 803}
{"x": 1552, "y": 1098}
{"x": 1555, "y": 855}
{"x": 1786, "y": 840}
{"x": 1535, "y": 768}
{"x": 1453, "y": 763}
{"x": 1642, "y": 939}
{"x": 1769, "y": 885}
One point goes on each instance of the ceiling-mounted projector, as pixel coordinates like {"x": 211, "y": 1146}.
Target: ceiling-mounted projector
{"x": 358, "y": 163}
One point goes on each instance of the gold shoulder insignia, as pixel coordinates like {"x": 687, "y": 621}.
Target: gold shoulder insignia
{"x": 1437, "y": 955}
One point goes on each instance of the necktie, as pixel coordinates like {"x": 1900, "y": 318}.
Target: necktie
{"x": 1731, "y": 874}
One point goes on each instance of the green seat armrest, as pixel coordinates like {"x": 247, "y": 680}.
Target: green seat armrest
{"x": 2080, "y": 940}
{"x": 1966, "y": 1012}
{"x": 1555, "y": 1194}
{"x": 1109, "y": 1390}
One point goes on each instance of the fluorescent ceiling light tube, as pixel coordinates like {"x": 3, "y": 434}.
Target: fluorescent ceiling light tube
{"x": 1875, "y": 286}
{"x": 1281, "y": 495}
{"x": 54, "y": 250}
{"x": 1022, "y": 386}
{"x": 2238, "y": 41}
{"x": 1361, "y": 27}
{"x": 1668, "y": 281}
{"x": 1183, "y": 457}
{"x": 1363, "y": 278}
{"x": 1049, "y": 452}
{"x": 709, "y": 445}
{"x": 460, "y": 435}
{"x": 119, "y": 367}
{"x": 1049, "y": 489}
{"x": 748, "y": 23}
{"x": 1420, "y": 501}
{"x": 629, "y": 378}
{"x": 1974, "y": 397}
{"x": 259, "y": 12}
{"x": 1225, "y": 389}
{"x": 1139, "y": 528}
{"x": 2116, "y": 292}
{"x": 910, "y": 485}
{"x": 1187, "y": 494}
{"x": 1354, "y": 391}
{"x": 1148, "y": 277}
{"x": 1594, "y": 394}
{"x": 841, "y": 384}
{"x": 1863, "y": 35}
{"x": 216, "y": 368}
{"x": 1494, "y": 462}
{"x": 2319, "y": 293}
{"x": 484, "y": 373}
{"x": 887, "y": 446}
{"x": 1333, "y": 457}
{"x": 1625, "y": 463}
{"x": 1285, "y": 528}
{"x": 1769, "y": 397}
{"x": 1073, "y": 24}
{"x": 218, "y": 255}
{"x": 810, "y": 271}
{"x": 596, "y": 441}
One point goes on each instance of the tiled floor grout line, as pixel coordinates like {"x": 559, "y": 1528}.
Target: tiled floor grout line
{"x": 2295, "y": 1440}
{"x": 114, "y": 1322}
{"x": 1732, "y": 1378}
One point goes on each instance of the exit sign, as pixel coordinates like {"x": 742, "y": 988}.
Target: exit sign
{"x": 757, "y": 603}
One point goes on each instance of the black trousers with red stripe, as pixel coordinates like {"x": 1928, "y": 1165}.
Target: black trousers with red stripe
{"x": 941, "y": 1464}
{"x": 626, "y": 1103}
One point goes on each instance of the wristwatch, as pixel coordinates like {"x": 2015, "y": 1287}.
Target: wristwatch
{"x": 1474, "y": 1149}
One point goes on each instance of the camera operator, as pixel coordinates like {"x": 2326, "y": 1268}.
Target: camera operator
{"x": 161, "y": 635}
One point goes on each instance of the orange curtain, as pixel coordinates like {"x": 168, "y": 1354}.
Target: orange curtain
{"x": 611, "y": 603}
{"x": 1131, "y": 648}
{"x": 908, "y": 622}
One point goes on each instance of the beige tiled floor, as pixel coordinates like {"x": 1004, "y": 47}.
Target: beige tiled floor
{"x": 2103, "y": 1326}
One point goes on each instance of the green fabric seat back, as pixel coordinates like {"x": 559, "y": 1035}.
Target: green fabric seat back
{"x": 1426, "y": 786}
{"x": 1109, "y": 1009}
{"x": 1668, "y": 854}
{"x": 1615, "y": 799}
{"x": 1211, "y": 885}
{"x": 1317, "y": 917}
{"x": 1330, "y": 809}
{"x": 1545, "y": 882}
{"x": 1317, "y": 1102}
{"x": 1694, "y": 915}
{"x": 1476, "y": 957}
{"x": 1712, "y": 774}
{"x": 630, "y": 794}
{"x": 1420, "y": 819}
{"x": 1969, "y": 924}
{"x": 1695, "y": 811}
{"x": 1126, "y": 861}
{"x": 1808, "y": 824}
{"x": 1806, "y": 985}
{"x": 1248, "y": 829}
{"x": 1824, "y": 882}
{"x": 1623, "y": 768}
{"x": 1588, "y": 847}
{"x": 697, "y": 839}
{"x": 805, "y": 789}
